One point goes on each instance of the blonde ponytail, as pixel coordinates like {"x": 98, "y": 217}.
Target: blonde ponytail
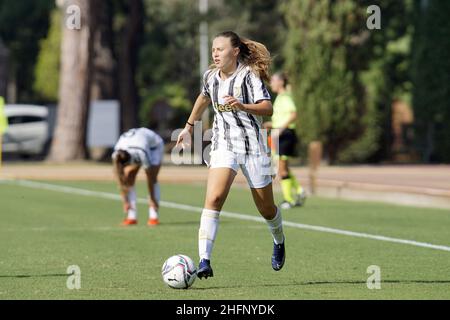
{"x": 257, "y": 57}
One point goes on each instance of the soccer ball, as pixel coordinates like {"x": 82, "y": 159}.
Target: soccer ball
{"x": 179, "y": 272}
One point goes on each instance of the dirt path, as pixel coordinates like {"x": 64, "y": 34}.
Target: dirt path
{"x": 421, "y": 179}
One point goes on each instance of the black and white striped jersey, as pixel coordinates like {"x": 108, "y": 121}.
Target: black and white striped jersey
{"x": 236, "y": 130}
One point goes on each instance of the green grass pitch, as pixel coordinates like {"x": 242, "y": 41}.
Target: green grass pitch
{"x": 42, "y": 232}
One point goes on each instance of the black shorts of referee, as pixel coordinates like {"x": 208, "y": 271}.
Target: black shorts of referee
{"x": 287, "y": 143}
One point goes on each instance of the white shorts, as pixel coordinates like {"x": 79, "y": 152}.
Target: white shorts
{"x": 257, "y": 169}
{"x": 156, "y": 155}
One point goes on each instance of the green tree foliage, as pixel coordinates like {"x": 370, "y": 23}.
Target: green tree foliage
{"x": 345, "y": 76}
{"x": 169, "y": 58}
{"x": 431, "y": 78}
{"x": 48, "y": 63}
{"x": 388, "y": 77}
{"x": 22, "y": 24}
{"x": 326, "y": 50}
{"x": 261, "y": 21}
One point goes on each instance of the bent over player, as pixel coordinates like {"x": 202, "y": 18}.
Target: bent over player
{"x": 239, "y": 97}
{"x": 136, "y": 148}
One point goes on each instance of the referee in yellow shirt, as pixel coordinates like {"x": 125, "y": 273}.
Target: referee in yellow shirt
{"x": 284, "y": 118}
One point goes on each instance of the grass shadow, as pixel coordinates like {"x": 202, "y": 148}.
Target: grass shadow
{"x": 314, "y": 283}
{"x": 21, "y": 276}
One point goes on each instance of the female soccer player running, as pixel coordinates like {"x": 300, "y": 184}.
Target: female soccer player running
{"x": 239, "y": 98}
{"x": 285, "y": 138}
{"x": 136, "y": 148}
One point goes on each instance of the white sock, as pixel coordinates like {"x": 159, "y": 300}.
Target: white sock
{"x": 276, "y": 228}
{"x": 132, "y": 213}
{"x": 209, "y": 223}
{"x": 152, "y": 213}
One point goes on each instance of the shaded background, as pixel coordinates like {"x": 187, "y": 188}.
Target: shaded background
{"x": 370, "y": 96}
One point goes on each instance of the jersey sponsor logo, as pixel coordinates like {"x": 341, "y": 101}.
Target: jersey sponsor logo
{"x": 224, "y": 107}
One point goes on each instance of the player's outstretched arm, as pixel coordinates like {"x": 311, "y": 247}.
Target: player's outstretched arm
{"x": 121, "y": 181}
{"x": 200, "y": 106}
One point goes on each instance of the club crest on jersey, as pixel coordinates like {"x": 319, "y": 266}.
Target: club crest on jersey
{"x": 237, "y": 92}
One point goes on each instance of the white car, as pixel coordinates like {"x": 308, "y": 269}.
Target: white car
{"x": 28, "y": 130}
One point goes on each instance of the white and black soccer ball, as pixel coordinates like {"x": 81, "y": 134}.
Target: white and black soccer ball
{"x": 179, "y": 272}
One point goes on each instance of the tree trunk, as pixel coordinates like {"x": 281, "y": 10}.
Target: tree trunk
{"x": 69, "y": 141}
{"x": 4, "y": 59}
{"x": 103, "y": 86}
{"x": 128, "y": 56}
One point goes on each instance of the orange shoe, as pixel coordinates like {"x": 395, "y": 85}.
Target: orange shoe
{"x": 153, "y": 222}
{"x": 129, "y": 222}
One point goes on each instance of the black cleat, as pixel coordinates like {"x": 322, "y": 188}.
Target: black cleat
{"x": 204, "y": 269}
{"x": 278, "y": 256}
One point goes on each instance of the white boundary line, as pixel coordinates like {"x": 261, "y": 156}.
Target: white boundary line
{"x": 111, "y": 196}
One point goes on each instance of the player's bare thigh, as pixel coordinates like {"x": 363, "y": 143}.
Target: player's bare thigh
{"x": 283, "y": 168}
{"x": 218, "y": 187}
{"x": 152, "y": 173}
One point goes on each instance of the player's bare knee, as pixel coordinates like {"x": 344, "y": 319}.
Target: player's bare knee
{"x": 215, "y": 201}
{"x": 268, "y": 210}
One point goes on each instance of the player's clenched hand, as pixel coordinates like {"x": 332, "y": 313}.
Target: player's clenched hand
{"x": 184, "y": 138}
{"x": 233, "y": 102}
